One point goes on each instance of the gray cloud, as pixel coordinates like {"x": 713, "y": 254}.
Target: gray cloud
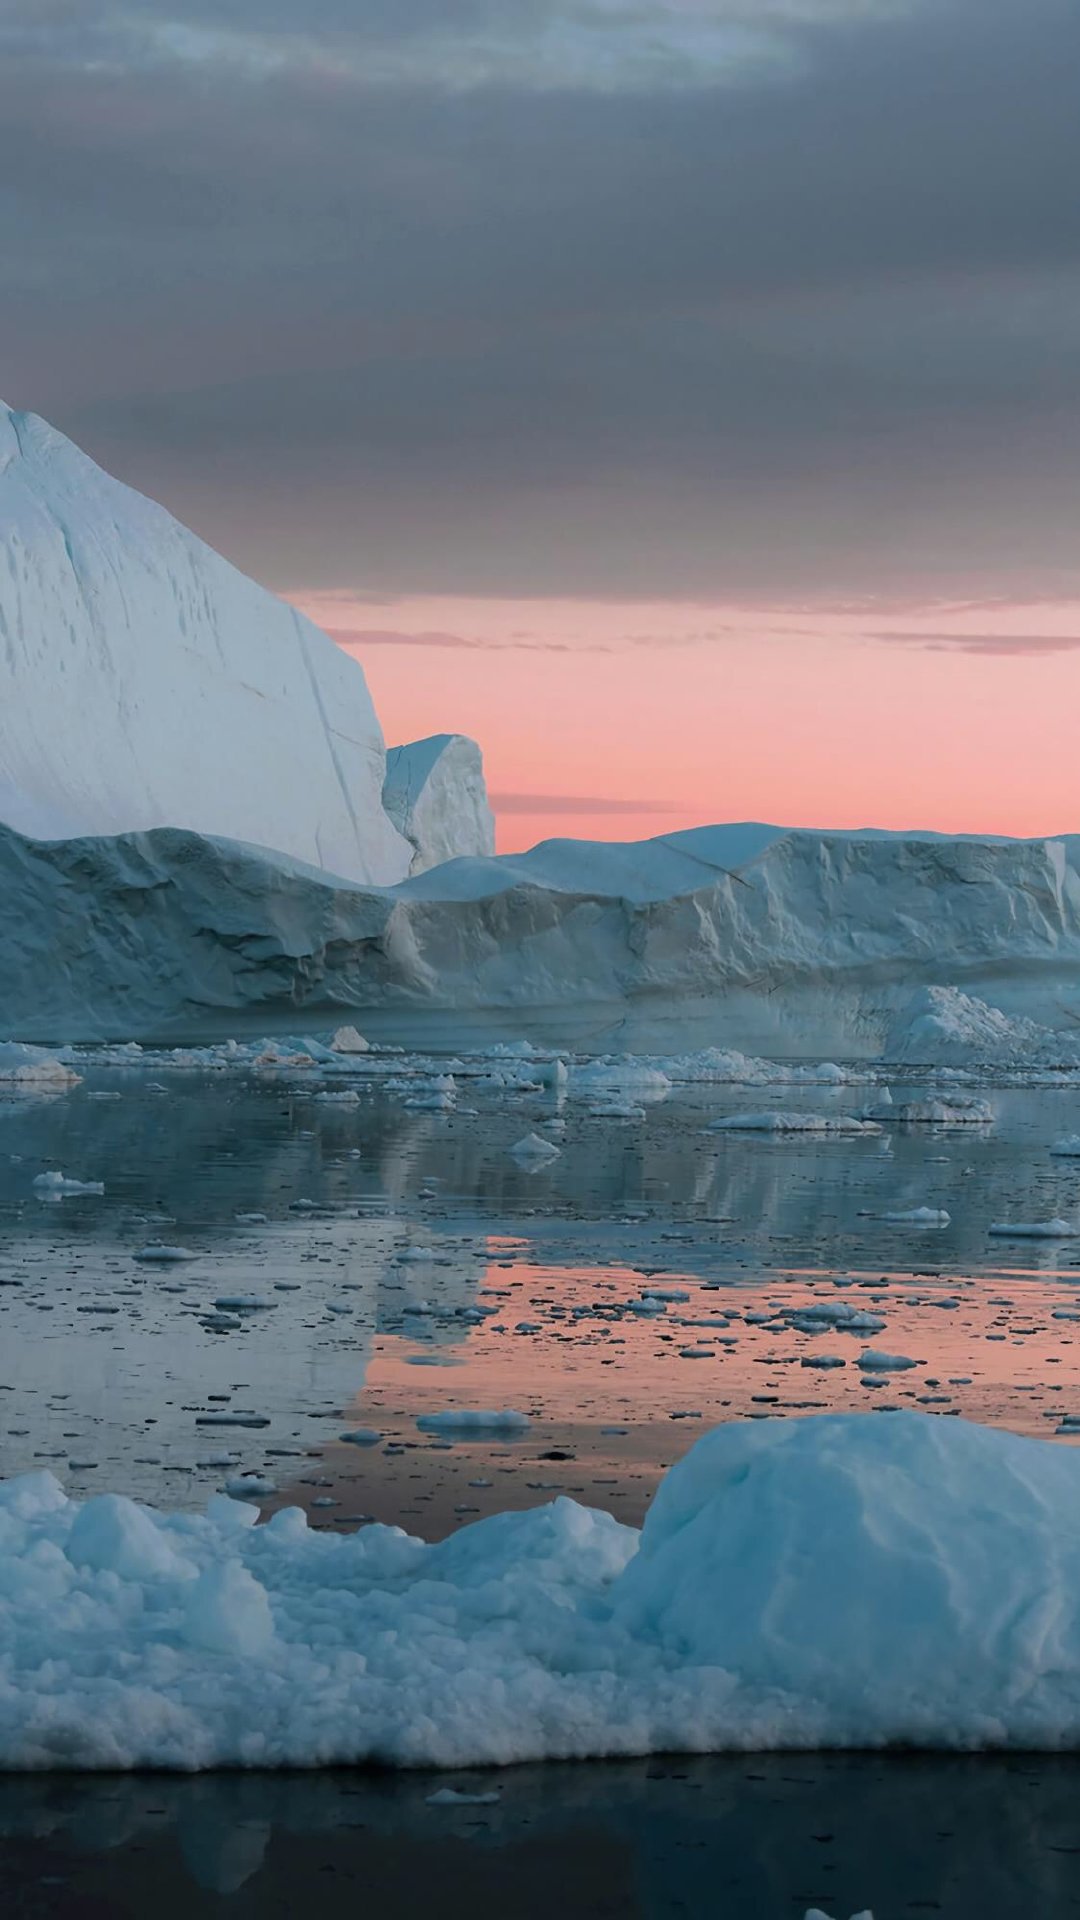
{"x": 985, "y": 643}
{"x": 808, "y": 323}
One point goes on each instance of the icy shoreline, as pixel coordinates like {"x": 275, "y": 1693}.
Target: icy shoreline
{"x": 838, "y": 1581}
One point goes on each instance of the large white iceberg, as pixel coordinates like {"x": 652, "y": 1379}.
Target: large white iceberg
{"x": 147, "y": 683}
{"x": 835, "y": 1581}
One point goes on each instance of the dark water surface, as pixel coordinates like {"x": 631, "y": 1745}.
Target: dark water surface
{"x": 737, "y": 1838}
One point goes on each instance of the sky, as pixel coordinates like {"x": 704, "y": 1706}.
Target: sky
{"x": 680, "y": 396}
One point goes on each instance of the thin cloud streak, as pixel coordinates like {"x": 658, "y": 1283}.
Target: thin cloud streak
{"x": 989, "y": 644}
{"x": 542, "y": 803}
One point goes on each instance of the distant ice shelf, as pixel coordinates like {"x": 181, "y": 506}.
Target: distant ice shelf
{"x": 818, "y": 949}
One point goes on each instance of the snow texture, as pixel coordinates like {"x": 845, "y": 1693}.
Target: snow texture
{"x": 942, "y": 1615}
{"x": 149, "y": 684}
{"x": 434, "y": 793}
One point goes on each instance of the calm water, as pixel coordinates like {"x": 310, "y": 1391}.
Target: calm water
{"x": 406, "y": 1265}
{"x": 754, "y": 1838}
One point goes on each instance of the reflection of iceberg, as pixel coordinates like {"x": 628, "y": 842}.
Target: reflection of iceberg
{"x": 653, "y": 1837}
{"x": 221, "y": 1851}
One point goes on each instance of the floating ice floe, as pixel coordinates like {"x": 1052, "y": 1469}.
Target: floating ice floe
{"x": 918, "y": 1217}
{"x": 726, "y": 1066}
{"x": 817, "y": 1316}
{"x": 874, "y": 1362}
{"x": 57, "y": 1185}
{"x": 249, "y": 1486}
{"x": 34, "y": 1068}
{"x": 941, "y": 1110}
{"x": 438, "y": 1095}
{"x": 792, "y": 1122}
{"x": 630, "y": 1080}
{"x": 158, "y": 1253}
{"x": 1034, "y": 1230}
{"x": 942, "y": 1615}
{"x": 1068, "y": 1148}
{"x": 534, "y": 1152}
{"x": 474, "y": 1420}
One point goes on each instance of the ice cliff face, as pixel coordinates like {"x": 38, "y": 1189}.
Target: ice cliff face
{"x": 814, "y": 947}
{"x": 435, "y": 795}
{"x": 147, "y": 683}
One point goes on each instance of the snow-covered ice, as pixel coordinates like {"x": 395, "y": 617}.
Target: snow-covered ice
{"x": 942, "y": 1615}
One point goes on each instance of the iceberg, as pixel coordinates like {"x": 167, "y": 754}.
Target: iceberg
{"x": 812, "y": 948}
{"x": 203, "y": 838}
{"x": 148, "y": 683}
{"x": 434, "y": 793}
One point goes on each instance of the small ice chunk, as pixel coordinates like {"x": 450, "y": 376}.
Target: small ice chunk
{"x": 474, "y": 1420}
{"x": 58, "y": 1184}
{"x": 347, "y": 1040}
{"x": 450, "y": 1797}
{"x": 874, "y": 1362}
{"x": 157, "y": 1253}
{"x": 918, "y": 1217}
{"x": 1034, "y": 1230}
{"x": 533, "y": 1152}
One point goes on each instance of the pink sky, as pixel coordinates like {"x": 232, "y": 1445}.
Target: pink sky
{"x": 668, "y": 715}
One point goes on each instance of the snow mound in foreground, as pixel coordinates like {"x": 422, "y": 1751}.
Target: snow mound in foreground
{"x": 842, "y": 1580}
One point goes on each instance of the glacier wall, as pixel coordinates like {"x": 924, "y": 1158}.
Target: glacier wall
{"x": 147, "y": 683}
{"x": 814, "y": 946}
